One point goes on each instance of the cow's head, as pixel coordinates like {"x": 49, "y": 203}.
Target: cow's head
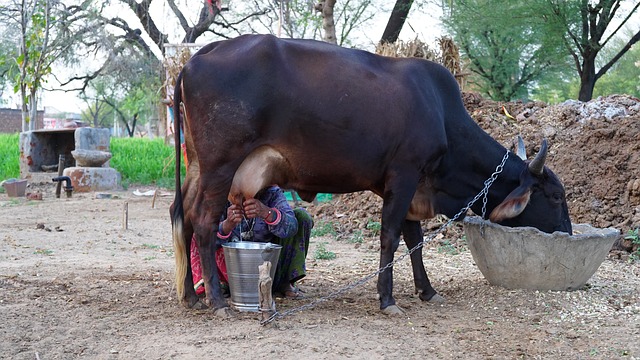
{"x": 538, "y": 201}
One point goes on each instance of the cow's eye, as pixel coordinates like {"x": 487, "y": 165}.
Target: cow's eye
{"x": 557, "y": 196}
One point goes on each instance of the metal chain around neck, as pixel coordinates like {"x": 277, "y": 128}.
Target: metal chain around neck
{"x": 335, "y": 294}
{"x": 489, "y": 181}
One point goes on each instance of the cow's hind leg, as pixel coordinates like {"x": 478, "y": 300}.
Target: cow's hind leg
{"x": 191, "y": 299}
{"x": 182, "y": 244}
{"x": 210, "y": 202}
{"x": 413, "y": 236}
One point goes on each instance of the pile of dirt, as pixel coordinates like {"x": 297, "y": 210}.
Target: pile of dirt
{"x": 594, "y": 149}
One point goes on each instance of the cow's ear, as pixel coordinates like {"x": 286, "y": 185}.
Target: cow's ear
{"x": 512, "y": 206}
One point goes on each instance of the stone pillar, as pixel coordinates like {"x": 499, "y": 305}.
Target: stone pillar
{"x": 87, "y": 138}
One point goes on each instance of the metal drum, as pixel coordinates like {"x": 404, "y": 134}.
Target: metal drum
{"x": 242, "y": 259}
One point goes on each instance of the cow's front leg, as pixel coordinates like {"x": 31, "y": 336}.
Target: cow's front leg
{"x": 399, "y": 189}
{"x": 388, "y": 245}
{"x": 412, "y": 233}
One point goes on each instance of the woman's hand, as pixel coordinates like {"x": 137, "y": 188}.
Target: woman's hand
{"x": 253, "y": 208}
{"x": 234, "y": 217}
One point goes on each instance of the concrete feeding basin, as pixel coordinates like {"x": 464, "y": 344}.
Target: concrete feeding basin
{"x": 527, "y": 258}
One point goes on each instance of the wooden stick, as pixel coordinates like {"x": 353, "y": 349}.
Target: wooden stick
{"x": 125, "y": 216}
{"x": 267, "y": 305}
{"x": 153, "y": 202}
{"x": 60, "y": 171}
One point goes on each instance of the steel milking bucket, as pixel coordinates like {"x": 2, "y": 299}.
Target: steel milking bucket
{"x": 242, "y": 259}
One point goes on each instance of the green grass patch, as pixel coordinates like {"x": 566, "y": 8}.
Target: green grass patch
{"x": 144, "y": 162}
{"x": 323, "y": 228}
{"x": 139, "y": 161}
{"x": 634, "y": 236}
{"x": 9, "y": 157}
{"x": 450, "y": 248}
{"x": 356, "y": 237}
{"x": 323, "y": 254}
{"x": 374, "y": 227}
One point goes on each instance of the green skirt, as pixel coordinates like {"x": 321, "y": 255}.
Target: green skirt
{"x": 291, "y": 263}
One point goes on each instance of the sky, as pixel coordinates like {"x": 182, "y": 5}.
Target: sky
{"x": 421, "y": 23}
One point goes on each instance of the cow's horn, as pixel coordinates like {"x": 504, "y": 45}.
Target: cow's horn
{"x": 537, "y": 164}
{"x": 521, "y": 151}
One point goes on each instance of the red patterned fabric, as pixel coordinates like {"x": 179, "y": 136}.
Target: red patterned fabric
{"x": 183, "y": 146}
{"x": 196, "y": 267}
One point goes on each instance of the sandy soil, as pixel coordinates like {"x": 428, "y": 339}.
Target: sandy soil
{"x": 75, "y": 284}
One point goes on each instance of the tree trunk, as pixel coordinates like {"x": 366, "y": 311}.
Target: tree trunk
{"x": 396, "y": 21}
{"x": 328, "y": 24}
{"x": 132, "y": 131}
{"x": 24, "y": 108}
{"x": 95, "y": 113}
{"x": 587, "y": 77}
{"x": 33, "y": 110}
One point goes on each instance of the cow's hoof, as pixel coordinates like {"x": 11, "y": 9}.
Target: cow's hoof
{"x": 199, "y": 305}
{"x": 224, "y": 313}
{"x": 437, "y": 300}
{"x": 393, "y": 310}
{"x": 193, "y": 303}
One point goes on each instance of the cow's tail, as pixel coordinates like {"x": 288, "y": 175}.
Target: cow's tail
{"x": 177, "y": 220}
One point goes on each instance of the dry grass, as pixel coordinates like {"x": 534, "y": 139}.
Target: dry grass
{"x": 449, "y": 55}
{"x": 173, "y": 65}
{"x": 413, "y": 48}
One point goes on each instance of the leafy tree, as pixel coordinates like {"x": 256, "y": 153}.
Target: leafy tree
{"x": 554, "y": 87}
{"x": 292, "y": 18}
{"x": 208, "y": 21}
{"x": 303, "y": 18}
{"x": 352, "y": 15}
{"x": 622, "y": 78}
{"x": 624, "y": 75}
{"x": 127, "y": 90}
{"x": 8, "y": 68}
{"x": 581, "y": 27}
{"x": 586, "y": 27}
{"x": 45, "y": 31}
{"x": 98, "y": 112}
{"x": 505, "y": 53}
{"x": 34, "y": 56}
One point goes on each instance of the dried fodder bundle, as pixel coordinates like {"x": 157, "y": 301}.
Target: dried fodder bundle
{"x": 173, "y": 65}
{"x": 450, "y": 58}
{"x": 413, "y": 48}
{"x": 450, "y": 55}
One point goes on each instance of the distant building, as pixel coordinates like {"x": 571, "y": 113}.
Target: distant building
{"x": 11, "y": 120}
{"x": 63, "y": 120}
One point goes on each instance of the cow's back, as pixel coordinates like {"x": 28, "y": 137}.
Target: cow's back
{"x": 339, "y": 117}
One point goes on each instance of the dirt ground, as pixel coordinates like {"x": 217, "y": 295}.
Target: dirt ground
{"x": 75, "y": 284}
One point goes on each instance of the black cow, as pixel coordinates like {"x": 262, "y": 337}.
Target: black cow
{"x": 316, "y": 117}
